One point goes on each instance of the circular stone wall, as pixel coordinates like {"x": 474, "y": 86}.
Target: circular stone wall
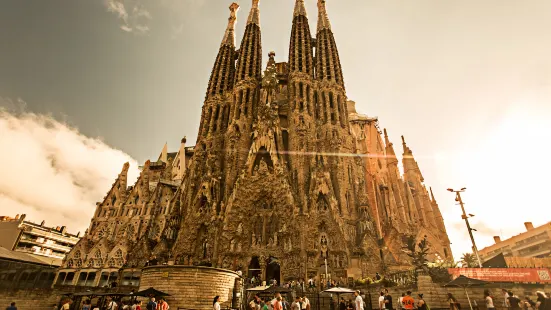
{"x": 191, "y": 287}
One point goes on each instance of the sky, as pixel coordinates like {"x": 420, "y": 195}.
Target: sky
{"x": 87, "y": 85}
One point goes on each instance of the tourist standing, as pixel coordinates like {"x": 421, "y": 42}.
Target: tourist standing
{"x": 359, "y": 303}
{"x": 543, "y": 302}
{"x": 138, "y": 305}
{"x": 513, "y": 301}
{"x": 87, "y": 305}
{"x": 381, "y": 301}
{"x": 112, "y": 305}
{"x": 278, "y": 305}
{"x": 407, "y": 302}
{"x": 489, "y": 300}
{"x": 400, "y": 302}
{"x": 305, "y": 303}
{"x": 296, "y": 304}
{"x": 12, "y": 307}
{"x": 162, "y": 305}
{"x": 505, "y": 298}
{"x": 342, "y": 304}
{"x": 454, "y": 305}
{"x": 66, "y": 304}
{"x": 388, "y": 301}
{"x": 421, "y": 304}
{"x": 216, "y": 303}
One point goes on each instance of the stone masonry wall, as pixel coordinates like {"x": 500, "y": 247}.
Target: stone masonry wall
{"x": 191, "y": 287}
{"x": 38, "y": 299}
{"x": 436, "y": 295}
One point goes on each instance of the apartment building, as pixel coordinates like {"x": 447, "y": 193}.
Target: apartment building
{"x": 535, "y": 242}
{"x": 50, "y": 243}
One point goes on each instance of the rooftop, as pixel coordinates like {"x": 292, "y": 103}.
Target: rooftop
{"x": 28, "y": 258}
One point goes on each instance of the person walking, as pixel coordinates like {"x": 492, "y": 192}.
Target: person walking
{"x": 359, "y": 302}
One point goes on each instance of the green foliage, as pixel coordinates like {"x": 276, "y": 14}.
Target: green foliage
{"x": 417, "y": 252}
{"x": 468, "y": 260}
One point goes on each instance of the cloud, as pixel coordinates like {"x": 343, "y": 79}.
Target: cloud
{"x": 132, "y": 13}
{"x": 51, "y": 171}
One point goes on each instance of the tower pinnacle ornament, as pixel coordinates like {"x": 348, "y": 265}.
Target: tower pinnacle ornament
{"x": 229, "y": 36}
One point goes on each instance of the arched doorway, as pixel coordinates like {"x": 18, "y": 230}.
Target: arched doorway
{"x": 273, "y": 271}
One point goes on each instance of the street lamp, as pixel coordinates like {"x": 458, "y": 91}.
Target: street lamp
{"x": 466, "y": 218}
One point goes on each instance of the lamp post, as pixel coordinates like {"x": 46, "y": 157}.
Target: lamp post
{"x": 466, "y": 218}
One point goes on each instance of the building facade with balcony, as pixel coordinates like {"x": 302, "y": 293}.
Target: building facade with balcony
{"x": 535, "y": 242}
{"x": 47, "y": 243}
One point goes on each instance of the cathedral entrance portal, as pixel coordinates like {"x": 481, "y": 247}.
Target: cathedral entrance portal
{"x": 273, "y": 271}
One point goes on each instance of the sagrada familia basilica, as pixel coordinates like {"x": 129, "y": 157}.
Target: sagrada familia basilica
{"x": 284, "y": 178}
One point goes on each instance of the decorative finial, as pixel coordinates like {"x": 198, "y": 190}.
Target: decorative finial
{"x": 184, "y": 140}
{"x": 271, "y": 54}
{"x": 403, "y": 140}
{"x": 229, "y": 37}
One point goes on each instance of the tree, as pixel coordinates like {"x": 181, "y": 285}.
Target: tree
{"x": 417, "y": 252}
{"x": 468, "y": 260}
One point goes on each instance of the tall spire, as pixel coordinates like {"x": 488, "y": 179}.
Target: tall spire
{"x": 223, "y": 72}
{"x": 328, "y": 64}
{"x": 301, "y": 54}
{"x": 249, "y": 64}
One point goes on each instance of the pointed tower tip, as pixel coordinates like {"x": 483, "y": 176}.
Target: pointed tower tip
{"x": 432, "y": 195}
{"x": 300, "y": 9}
{"x": 387, "y": 141}
{"x": 254, "y": 16}
{"x": 403, "y": 140}
{"x": 323, "y": 18}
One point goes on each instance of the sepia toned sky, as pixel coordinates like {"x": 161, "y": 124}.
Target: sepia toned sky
{"x": 468, "y": 83}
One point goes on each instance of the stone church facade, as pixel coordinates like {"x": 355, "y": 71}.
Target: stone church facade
{"x": 285, "y": 180}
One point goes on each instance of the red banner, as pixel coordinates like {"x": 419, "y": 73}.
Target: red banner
{"x": 538, "y": 275}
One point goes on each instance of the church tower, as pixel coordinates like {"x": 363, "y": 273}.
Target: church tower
{"x": 302, "y": 124}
